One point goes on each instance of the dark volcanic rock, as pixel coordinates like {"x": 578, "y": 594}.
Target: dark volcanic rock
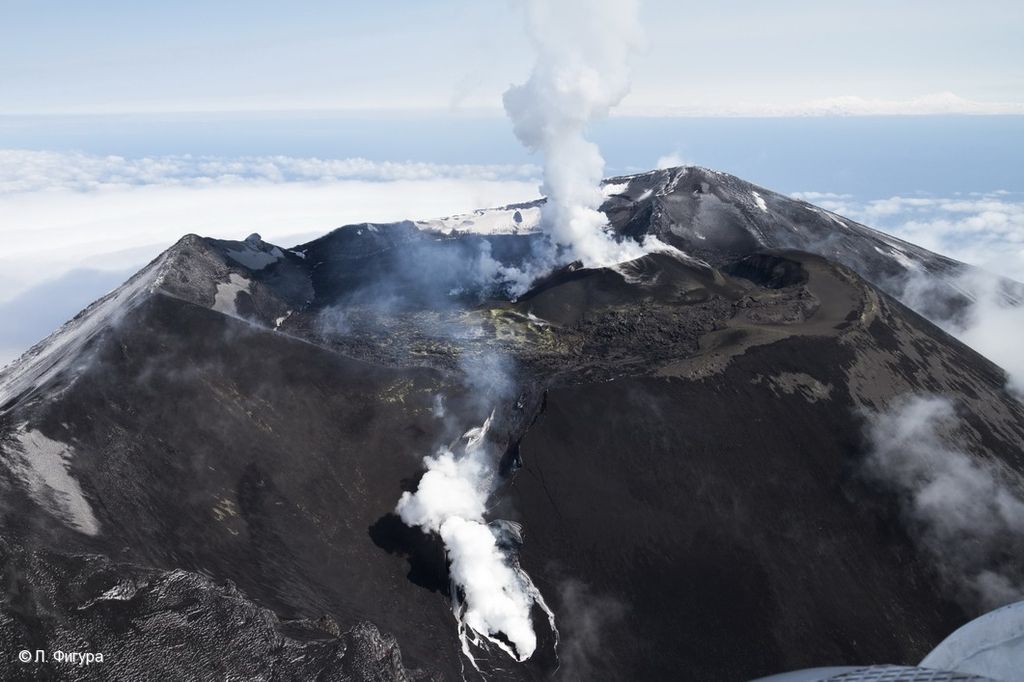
{"x": 682, "y": 443}
{"x": 149, "y": 624}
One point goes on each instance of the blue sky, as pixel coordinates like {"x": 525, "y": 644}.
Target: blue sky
{"x": 728, "y": 56}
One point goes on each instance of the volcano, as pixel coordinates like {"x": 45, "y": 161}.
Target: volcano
{"x": 200, "y": 471}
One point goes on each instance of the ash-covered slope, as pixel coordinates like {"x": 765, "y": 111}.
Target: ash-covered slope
{"x": 682, "y": 442}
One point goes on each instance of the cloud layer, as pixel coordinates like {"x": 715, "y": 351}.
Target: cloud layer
{"x": 30, "y": 171}
{"x": 983, "y": 229}
{"x": 966, "y": 513}
{"x": 65, "y": 211}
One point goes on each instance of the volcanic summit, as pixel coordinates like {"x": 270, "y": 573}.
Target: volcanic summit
{"x": 201, "y": 471}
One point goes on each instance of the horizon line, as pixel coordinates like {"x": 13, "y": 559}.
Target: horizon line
{"x": 495, "y": 113}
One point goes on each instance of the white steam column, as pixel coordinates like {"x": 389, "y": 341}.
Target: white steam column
{"x": 491, "y": 595}
{"x": 583, "y": 49}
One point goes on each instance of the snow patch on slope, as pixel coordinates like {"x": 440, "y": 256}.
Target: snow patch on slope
{"x": 506, "y": 220}
{"x": 611, "y": 189}
{"x": 255, "y": 259}
{"x": 43, "y": 467}
{"x": 759, "y": 200}
{"x": 227, "y": 294}
{"x": 281, "y": 320}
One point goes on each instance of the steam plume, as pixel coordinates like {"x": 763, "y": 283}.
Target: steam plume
{"x": 582, "y": 71}
{"x": 492, "y": 596}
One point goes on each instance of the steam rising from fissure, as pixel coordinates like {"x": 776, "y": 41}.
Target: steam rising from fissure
{"x": 492, "y": 597}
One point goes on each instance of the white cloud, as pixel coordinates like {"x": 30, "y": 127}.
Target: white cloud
{"x": 27, "y": 171}
{"x": 994, "y": 329}
{"x": 830, "y": 201}
{"x": 983, "y": 229}
{"x": 672, "y": 160}
{"x": 966, "y": 512}
{"x": 64, "y": 211}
